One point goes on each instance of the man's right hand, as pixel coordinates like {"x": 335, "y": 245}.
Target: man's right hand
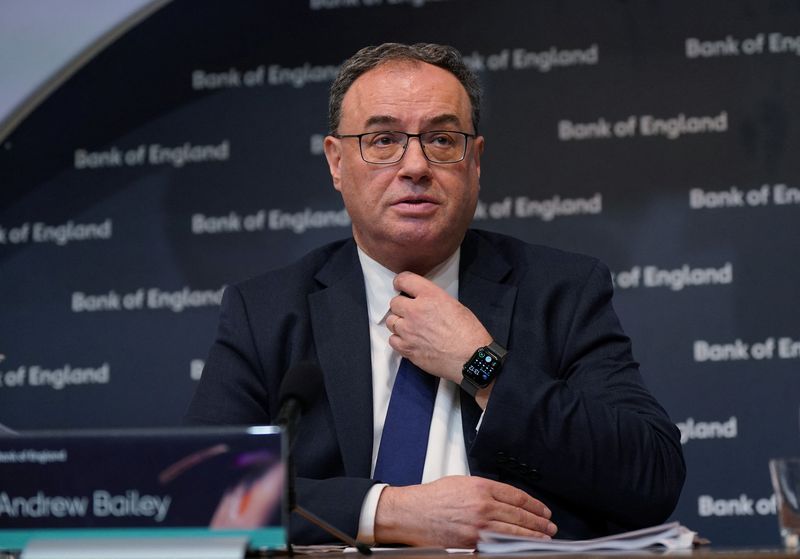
{"x": 450, "y": 511}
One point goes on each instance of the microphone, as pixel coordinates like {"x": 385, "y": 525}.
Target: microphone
{"x": 301, "y": 386}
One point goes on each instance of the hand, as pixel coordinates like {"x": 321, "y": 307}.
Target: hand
{"x": 450, "y": 511}
{"x": 431, "y": 328}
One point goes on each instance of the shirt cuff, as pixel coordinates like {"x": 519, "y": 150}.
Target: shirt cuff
{"x": 366, "y": 522}
{"x": 480, "y": 420}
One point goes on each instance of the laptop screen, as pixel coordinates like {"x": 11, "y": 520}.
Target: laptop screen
{"x": 143, "y": 483}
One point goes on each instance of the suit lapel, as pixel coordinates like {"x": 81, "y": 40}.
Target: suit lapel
{"x": 341, "y": 335}
{"x": 481, "y": 289}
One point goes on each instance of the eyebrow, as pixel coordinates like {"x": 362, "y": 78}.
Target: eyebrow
{"x": 438, "y": 120}
{"x": 380, "y": 119}
{"x": 446, "y": 119}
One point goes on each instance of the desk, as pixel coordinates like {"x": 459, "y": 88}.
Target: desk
{"x": 699, "y": 553}
{"x": 705, "y": 552}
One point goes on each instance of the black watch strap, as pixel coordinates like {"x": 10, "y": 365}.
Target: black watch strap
{"x": 469, "y": 387}
{"x": 498, "y": 350}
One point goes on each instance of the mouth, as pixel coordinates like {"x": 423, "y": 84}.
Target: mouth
{"x": 416, "y": 207}
{"x": 416, "y": 201}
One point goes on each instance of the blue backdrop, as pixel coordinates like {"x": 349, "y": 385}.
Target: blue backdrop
{"x": 660, "y": 136}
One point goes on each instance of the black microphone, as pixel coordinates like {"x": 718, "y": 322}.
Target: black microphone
{"x": 301, "y": 386}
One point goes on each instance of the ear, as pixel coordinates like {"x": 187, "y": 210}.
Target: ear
{"x": 477, "y": 151}
{"x": 333, "y": 153}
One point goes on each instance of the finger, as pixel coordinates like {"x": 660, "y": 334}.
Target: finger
{"x": 391, "y": 320}
{"x": 399, "y": 345}
{"x": 411, "y": 284}
{"x": 400, "y": 305}
{"x": 524, "y": 519}
{"x": 397, "y": 326}
{"x": 514, "y": 530}
{"x": 517, "y": 498}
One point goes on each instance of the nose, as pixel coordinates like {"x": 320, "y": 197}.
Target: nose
{"x": 414, "y": 164}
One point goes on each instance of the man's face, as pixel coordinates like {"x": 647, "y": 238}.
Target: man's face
{"x": 412, "y": 211}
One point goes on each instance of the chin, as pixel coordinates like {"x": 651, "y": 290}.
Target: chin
{"x": 428, "y": 242}
{"x": 419, "y": 234}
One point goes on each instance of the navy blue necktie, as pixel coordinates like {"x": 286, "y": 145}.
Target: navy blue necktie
{"x": 404, "y": 440}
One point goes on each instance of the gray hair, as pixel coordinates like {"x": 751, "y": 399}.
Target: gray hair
{"x": 366, "y": 59}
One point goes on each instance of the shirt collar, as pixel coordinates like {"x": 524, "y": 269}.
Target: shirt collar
{"x": 380, "y": 291}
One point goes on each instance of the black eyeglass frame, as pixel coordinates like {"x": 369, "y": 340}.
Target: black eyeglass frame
{"x": 408, "y": 136}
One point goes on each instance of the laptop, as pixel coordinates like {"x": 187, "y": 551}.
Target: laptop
{"x": 143, "y": 485}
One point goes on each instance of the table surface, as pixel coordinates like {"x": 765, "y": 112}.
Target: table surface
{"x": 703, "y": 552}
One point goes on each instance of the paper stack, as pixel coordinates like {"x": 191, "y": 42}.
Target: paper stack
{"x": 669, "y": 536}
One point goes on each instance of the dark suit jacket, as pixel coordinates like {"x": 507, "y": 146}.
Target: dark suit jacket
{"x": 569, "y": 419}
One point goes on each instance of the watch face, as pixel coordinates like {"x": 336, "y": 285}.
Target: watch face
{"x": 482, "y": 367}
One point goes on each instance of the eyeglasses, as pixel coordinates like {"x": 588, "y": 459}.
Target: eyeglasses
{"x": 389, "y": 146}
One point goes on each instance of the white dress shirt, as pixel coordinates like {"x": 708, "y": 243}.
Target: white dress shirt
{"x": 446, "y": 454}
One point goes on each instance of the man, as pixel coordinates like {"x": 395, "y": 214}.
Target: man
{"x": 562, "y": 437}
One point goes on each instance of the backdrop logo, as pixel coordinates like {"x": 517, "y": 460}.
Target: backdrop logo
{"x": 742, "y": 506}
{"x": 738, "y": 350}
{"x": 152, "y": 154}
{"x": 543, "y": 61}
{"x": 60, "y": 234}
{"x": 675, "y": 279}
{"x": 693, "y": 430}
{"x": 273, "y": 75}
{"x": 672, "y": 127}
{"x": 299, "y": 76}
{"x": 734, "y": 197}
{"x": 545, "y": 209}
{"x": 152, "y": 298}
{"x": 761, "y": 43}
{"x": 273, "y": 220}
{"x": 59, "y": 378}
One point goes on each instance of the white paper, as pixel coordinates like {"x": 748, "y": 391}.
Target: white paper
{"x": 670, "y": 536}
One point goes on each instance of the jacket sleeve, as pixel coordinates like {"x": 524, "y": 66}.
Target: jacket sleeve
{"x": 239, "y": 387}
{"x": 569, "y": 416}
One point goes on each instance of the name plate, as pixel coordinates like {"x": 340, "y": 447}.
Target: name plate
{"x": 188, "y": 482}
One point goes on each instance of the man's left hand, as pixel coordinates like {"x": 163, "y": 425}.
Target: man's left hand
{"x": 431, "y": 328}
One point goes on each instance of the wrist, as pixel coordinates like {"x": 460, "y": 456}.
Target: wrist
{"x": 482, "y": 396}
{"x": 390, "y": 525}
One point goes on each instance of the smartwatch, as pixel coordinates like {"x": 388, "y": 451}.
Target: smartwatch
{"x": 482, "y": 367}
